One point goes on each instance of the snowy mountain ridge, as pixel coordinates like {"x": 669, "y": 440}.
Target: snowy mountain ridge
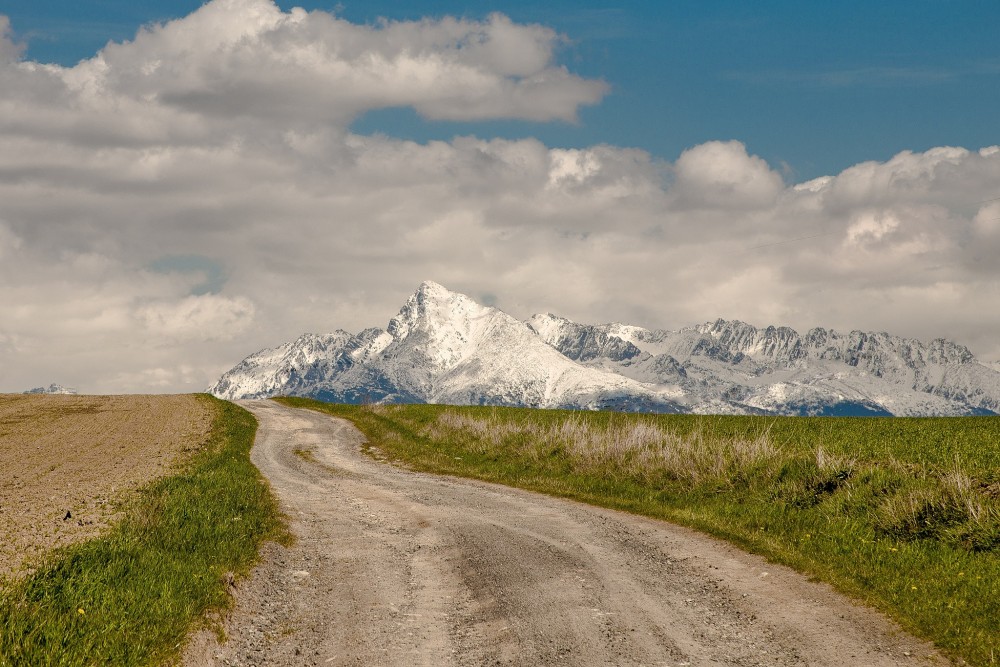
{"x": 444, "y": 347}
{"x": 51, "y": 389}
{"x": 776, "y": 369}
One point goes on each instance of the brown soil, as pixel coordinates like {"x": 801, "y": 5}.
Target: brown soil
{"x": 393, "y": 567}
{"x": 66, "y": 462}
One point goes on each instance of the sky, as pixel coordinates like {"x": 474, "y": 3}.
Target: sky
{"x": 183, "y": 184}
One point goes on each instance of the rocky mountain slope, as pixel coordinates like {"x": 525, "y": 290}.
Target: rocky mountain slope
{"x": 775, "y": 369}
{"x": 443, "y": 347}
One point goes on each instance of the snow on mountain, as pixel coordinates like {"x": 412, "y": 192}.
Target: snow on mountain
{"x": 630, "y": 351}
{"x": 293, "y": 366}
{"x": 777, "y": 370}
{"x": 51, "y": 389}
{"x": 442, "y": 347}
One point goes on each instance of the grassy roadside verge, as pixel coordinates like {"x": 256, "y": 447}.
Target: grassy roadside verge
{"x": 901, "y": 514}
{"x": 130, "y": 596}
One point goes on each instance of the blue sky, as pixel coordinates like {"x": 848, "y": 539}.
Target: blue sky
{"x": 240, "y": 172}
{"x": 812, "y": 87}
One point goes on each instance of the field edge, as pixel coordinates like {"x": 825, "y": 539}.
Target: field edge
{"x": 135, "y": 594}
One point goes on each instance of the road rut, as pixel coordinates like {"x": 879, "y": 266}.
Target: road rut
{"x": 393, "y": 567}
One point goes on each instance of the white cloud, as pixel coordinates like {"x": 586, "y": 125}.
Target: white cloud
{"x": 204, "y": 317}
{"x": 871, "y": 226}
{"x": 986, "y": 222}
{"x": 720, "y": 174}
{"x": 235, "y": 63}
{"x": 222, "y": 137}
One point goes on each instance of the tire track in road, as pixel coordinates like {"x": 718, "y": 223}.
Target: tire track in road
{"x": 393, "y": 567}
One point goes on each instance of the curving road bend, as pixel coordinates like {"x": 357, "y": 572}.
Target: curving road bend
{"x": 393, "y": 567}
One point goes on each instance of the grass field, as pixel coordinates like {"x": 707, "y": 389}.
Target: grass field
{"x": 130, "y": 596}
{"x": 902, "y": 514}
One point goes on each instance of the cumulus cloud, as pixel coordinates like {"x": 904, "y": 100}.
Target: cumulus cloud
{"x": 234, "y": 64}
{"x": 188, "y": 197}
{"x": 720, "y": 174}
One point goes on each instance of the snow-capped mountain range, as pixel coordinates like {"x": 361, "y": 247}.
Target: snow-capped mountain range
{"x": 51, "y": 389}
{"x": 443, "y": 347}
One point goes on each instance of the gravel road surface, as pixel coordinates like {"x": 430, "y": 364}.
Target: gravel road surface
{"x": 393, "y": 567}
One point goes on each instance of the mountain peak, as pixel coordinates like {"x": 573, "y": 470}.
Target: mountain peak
{"x": 547, "y": 325}
{"x": 445, "y": 326}
{"x": 430, "y": 288}
{"x": 435, "y": 307}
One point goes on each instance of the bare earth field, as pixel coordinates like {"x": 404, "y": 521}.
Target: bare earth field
{"x": 393, "y": 567}
{"x": 80, "y": 455}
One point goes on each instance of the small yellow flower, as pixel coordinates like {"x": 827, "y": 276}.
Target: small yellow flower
{"x": 913, "y": 588}
{"x": 81, "y": 611}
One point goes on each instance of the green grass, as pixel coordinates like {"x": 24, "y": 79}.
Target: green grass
{"x": 901, "y": 514}
{"x": 131, "y": 596}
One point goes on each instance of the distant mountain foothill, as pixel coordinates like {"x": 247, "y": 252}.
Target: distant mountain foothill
{"x": 51, "y": 389}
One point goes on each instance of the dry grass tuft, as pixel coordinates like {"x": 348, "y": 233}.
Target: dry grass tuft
{"x": 638, "y": 449}
{"x": 950, "y": 507}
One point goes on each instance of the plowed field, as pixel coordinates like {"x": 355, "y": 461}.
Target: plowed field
{"x": 66, "y": 463}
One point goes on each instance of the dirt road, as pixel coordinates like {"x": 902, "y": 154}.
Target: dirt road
{"x": 399, "y": 568}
